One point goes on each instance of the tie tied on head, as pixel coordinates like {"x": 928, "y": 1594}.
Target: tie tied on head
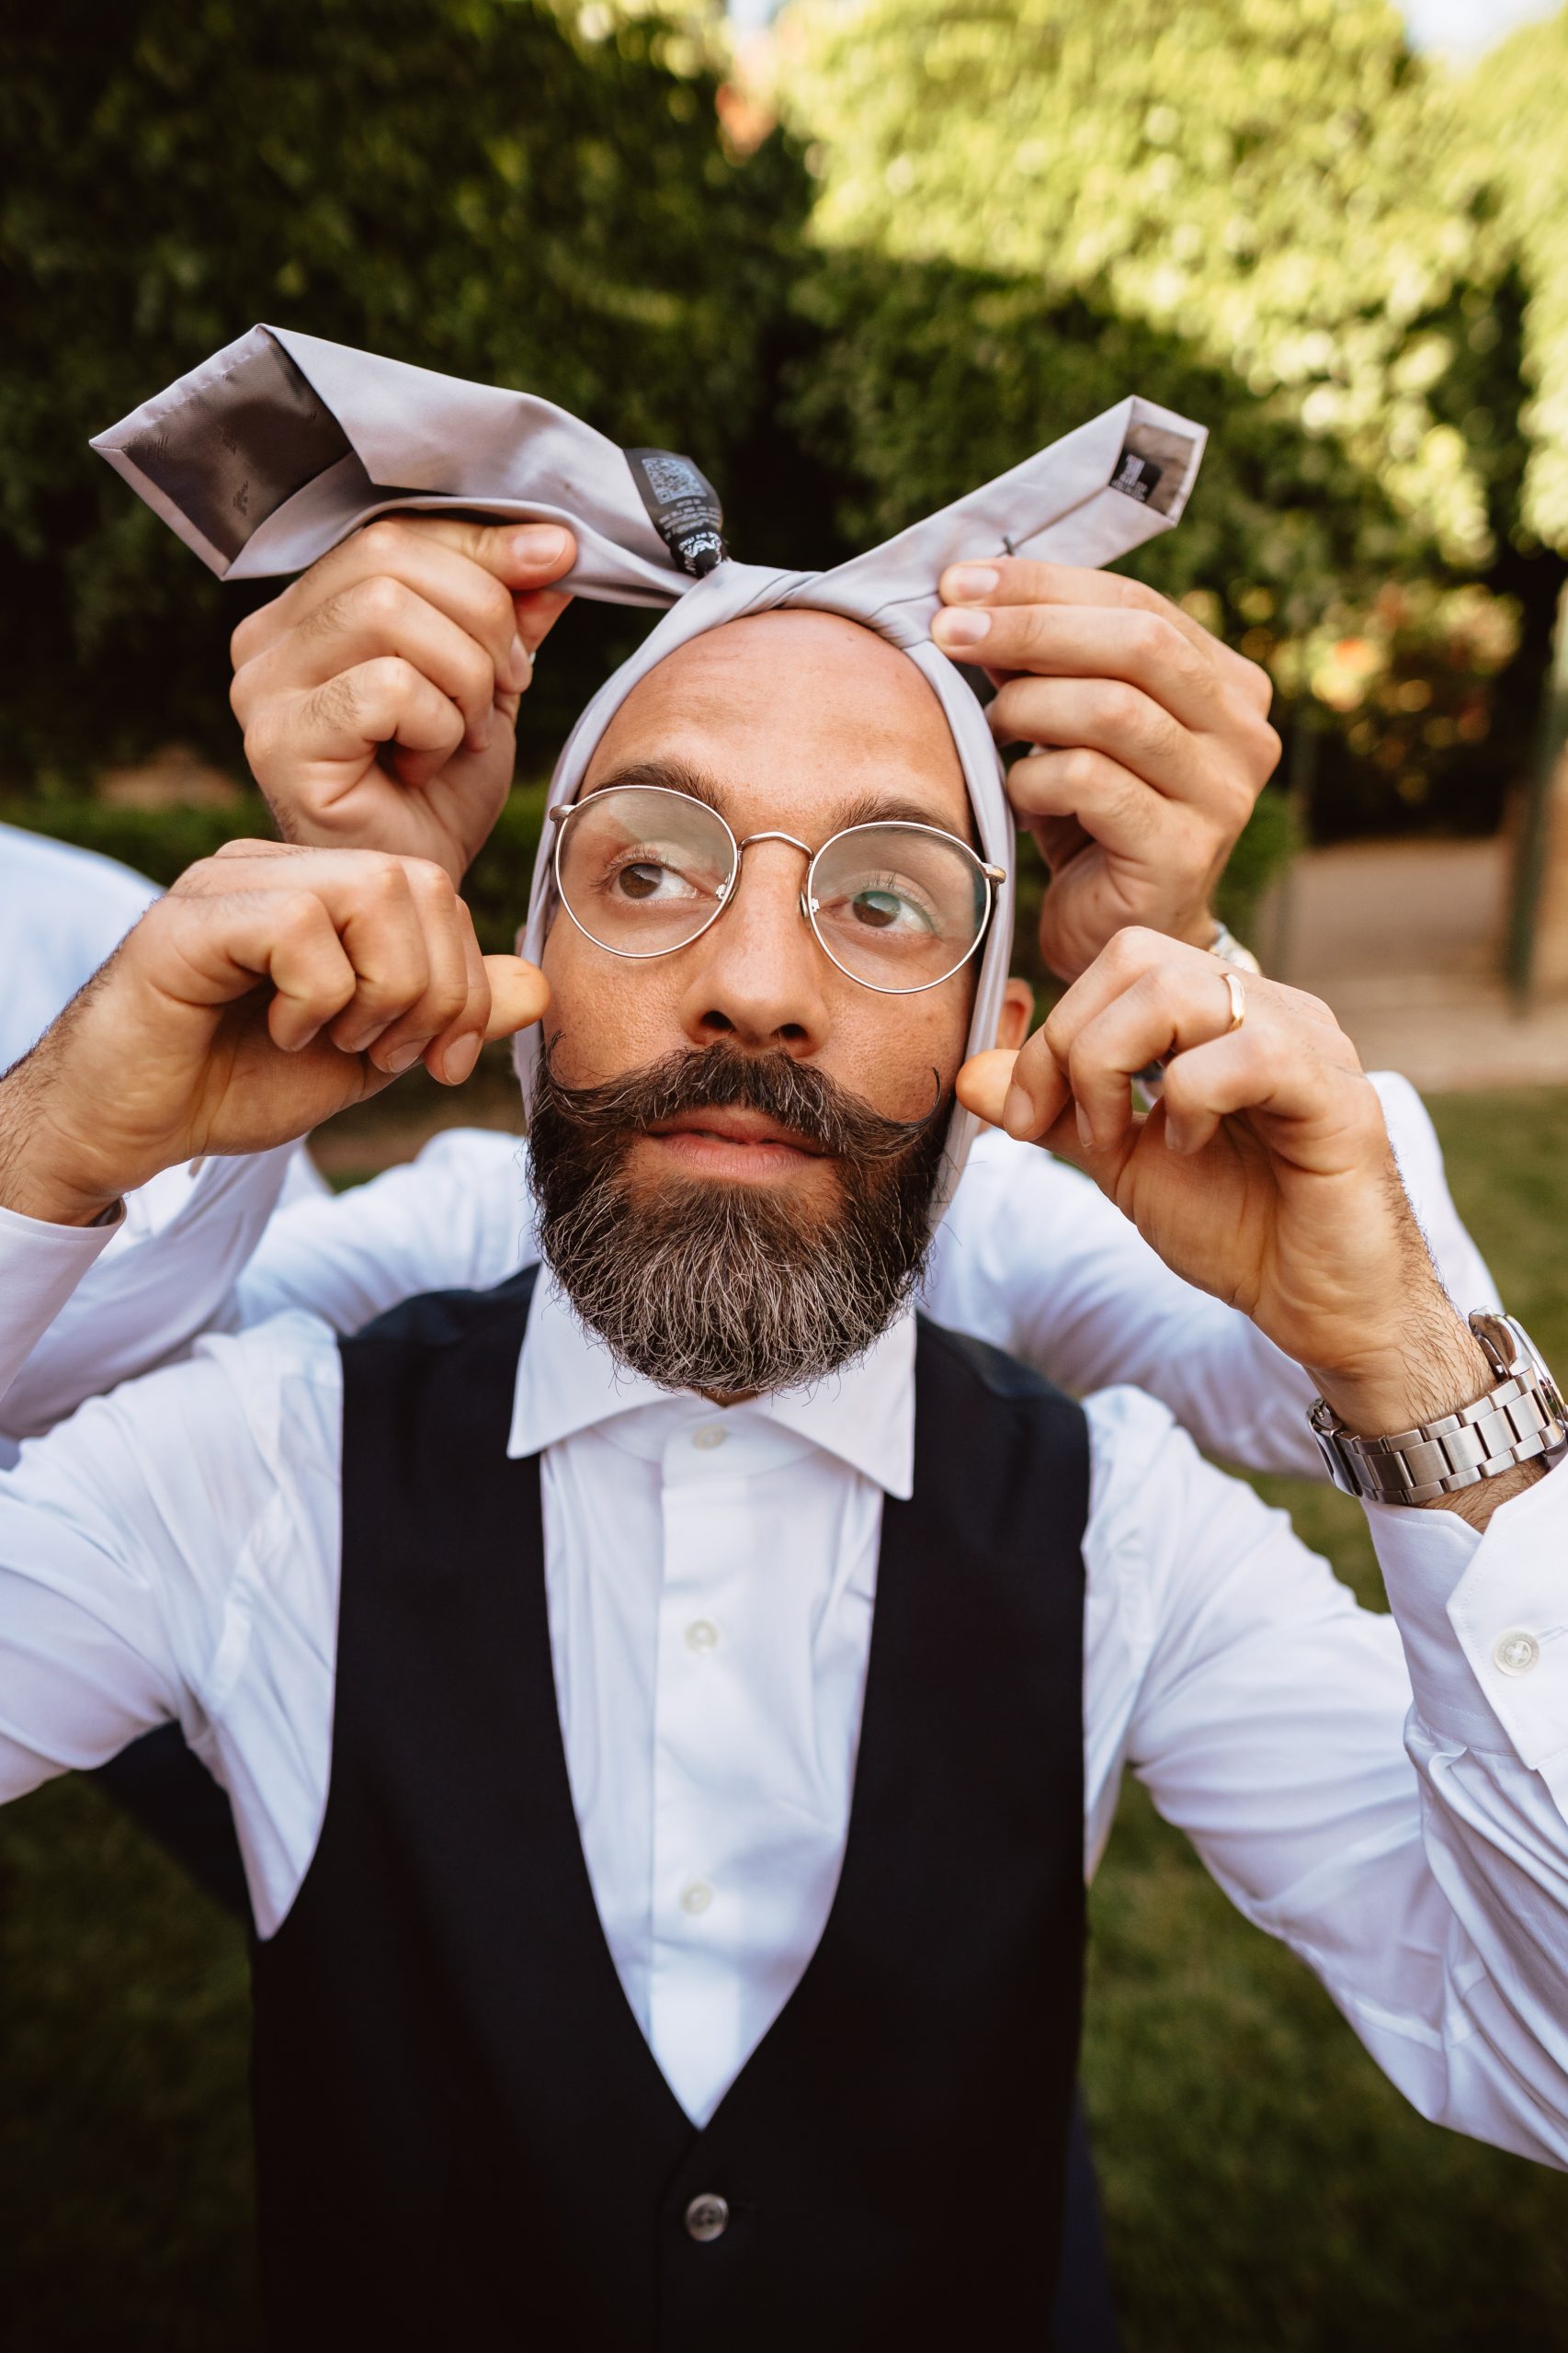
{"x": 278, "y": 447}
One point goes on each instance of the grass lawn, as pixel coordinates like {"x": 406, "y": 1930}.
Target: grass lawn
{"x": 1264, "y": 2187}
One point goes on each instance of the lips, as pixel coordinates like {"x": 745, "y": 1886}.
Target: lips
{"x": 728, "y": 1124}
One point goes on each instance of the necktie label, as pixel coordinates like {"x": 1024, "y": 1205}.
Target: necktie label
{"x": 683, "y": 506}
{"x": 1139, "y": 477}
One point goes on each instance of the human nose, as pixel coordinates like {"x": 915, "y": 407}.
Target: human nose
{"x": 756, "y": 975}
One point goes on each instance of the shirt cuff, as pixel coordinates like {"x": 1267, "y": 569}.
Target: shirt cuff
{"x": 1484, "y": 1618}
{"x": 40, "y": 1266}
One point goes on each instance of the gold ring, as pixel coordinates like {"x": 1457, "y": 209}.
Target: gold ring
{"x": 1238, "y": 996}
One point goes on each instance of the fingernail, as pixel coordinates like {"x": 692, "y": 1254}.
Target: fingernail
{"x": 1018, "y": 1115}
{"x": 478, "y": 735}
{"x": 970, "y": 583}
{"x": 538, "y": 543}
{"x": 1085, "y": 1130}
{"x": 961, "y": 629}
{"x": 459, "y": 1058}
{"x": 402, "y": 1058}
{"x": 519, "y": 666}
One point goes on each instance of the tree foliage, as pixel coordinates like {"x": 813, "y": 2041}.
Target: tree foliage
{"x": 1265, "y": 211}
{"x": 1515, "y": 102}
{"x": 468, "y": 184}
{"x": 1274, "y": 182}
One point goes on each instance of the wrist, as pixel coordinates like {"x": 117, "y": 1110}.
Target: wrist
{"x": 1435, "y": 1366}
{"x": 39, "y": 1177}
{"x": 1201, "y": 928}
{"x": 1460, "y": 1446}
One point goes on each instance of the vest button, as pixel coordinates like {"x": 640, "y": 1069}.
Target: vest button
{"x": 708, "y": 2217}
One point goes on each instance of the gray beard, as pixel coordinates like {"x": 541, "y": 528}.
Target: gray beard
{"x": 726, "y": 1288}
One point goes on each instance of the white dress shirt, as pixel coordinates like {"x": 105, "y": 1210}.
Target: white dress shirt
{"x": 1394, "y": 1812}
{"x": 1030, "y": 1255}
{"x": 64, "y": 912}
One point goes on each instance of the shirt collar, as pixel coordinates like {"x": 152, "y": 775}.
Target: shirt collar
{"x": 568, "y": 1382}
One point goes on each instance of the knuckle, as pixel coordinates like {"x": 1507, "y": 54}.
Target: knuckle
{"x": 476, "y": 675}
{"x": 384, "y": 541}
{"x": 380, "y": 602}
{"x": 1135, "y": 947}
{"x": 244, "y": 636}
{"x": 1270, "y": 747}
{"x": 382, "y": 880}
{"x": 430, "y": 883}
{"x": 260, "y": 738}
{"x": 1052, "y": 1038}
{"x": 497, "y": 610}
{"x": 1121, "y": 708}
{"x": 447, "y": 997}
{"x": 1150, "y": 636}
{"x": 386, "y": 675}
{"x": 297, "y": 915}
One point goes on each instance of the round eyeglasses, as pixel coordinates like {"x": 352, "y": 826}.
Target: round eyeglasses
{"x": 642, "y": 869}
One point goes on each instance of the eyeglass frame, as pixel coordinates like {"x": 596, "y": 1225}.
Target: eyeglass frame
{"x": 994, "y": 877}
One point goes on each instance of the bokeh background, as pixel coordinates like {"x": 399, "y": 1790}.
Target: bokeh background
{"x": 855, "y": 256}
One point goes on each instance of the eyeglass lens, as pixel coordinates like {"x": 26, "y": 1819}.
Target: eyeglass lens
{"x": 643, "y": 871}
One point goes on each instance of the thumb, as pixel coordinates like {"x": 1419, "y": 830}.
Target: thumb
{"x": 521, "y": 555}
{"x": 518, "y": 995}
{"x": 981, "y": 1085}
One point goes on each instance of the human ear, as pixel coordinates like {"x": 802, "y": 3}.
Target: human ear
{"x": 1017, "y": 1016}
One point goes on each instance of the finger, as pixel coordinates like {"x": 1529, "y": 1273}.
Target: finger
{"x": 384, "y": 940}
{"x": 518, "y": 993}
{"x": 384, "y": 701}
{"x": 1165, "y": 1013}
{"x": 1145, "y": 649}
{"x": 538, "y": 614}
{"x": 369, "y": 619}
{"x": 983, "y": 1082}
{"x": 446, "y": 932}
{"x": 1135, "y": 950}
{"x": 470, "y": 571}
{"x": 1106, "y": 715}
{"x": 227, "y": 946}
{"x": 1122, "y": 813}
{"x": 1018, "y": 580}
{"x": 450, "y": 1057}
{"x": 1277, "y": 1074}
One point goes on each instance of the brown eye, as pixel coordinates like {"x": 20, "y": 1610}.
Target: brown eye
{"x": 875, "y": 909}
{"x": 638, "y": 881}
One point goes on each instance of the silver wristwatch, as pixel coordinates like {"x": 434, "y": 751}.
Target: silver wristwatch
{"x": 1522, "y": 1420}
{"x": 1228, "y": 949}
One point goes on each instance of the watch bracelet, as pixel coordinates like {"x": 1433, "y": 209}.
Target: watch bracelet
{"x": 1508, "y": 1426}
{"x": 1521, "y": 1418}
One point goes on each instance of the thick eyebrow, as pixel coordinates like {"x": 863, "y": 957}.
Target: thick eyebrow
{"x": 663, "y": 775}
{"x": 871, "y": 808}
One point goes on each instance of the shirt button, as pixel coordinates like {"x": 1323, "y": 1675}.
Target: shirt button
{"x": 696, "y": 1898}
{"x": 1516, "y": 1652}
{"x": 702, "y": 1636}
{"x": 711, "y": 1435}
{"x": 708, "y": 2217}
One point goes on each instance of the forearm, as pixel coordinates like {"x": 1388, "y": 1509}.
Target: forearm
{"x": 84, "y": 1308}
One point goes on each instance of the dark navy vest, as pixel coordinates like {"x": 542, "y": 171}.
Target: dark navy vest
{"x": 462, "y": 2137}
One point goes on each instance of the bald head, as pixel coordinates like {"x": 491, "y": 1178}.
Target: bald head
{"x": 803, "y": 720}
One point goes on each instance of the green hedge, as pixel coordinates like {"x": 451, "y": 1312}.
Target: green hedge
{"x": 468, "y": 184}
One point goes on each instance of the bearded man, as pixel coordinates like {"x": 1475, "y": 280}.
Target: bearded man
{"x": 666, "y": 1807}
